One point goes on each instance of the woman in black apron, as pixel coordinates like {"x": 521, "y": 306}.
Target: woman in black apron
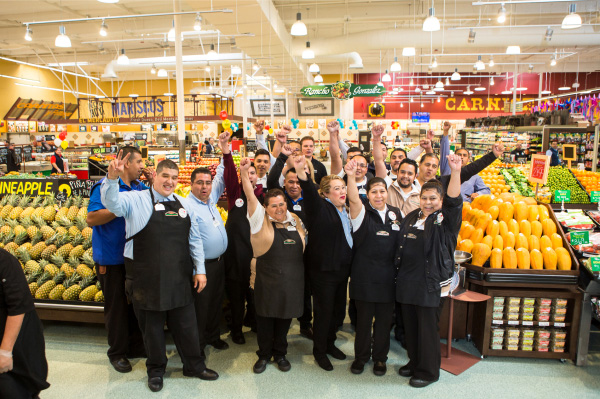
{"x": 58, "y": 164}
{"x": 277, "y": 238}
{"x": 376, "y": 231}
{"x": 23, "y": 366}
{"x": 426, "y": 258}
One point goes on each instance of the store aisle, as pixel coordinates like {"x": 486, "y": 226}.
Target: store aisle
{"x": 79, "y": 368}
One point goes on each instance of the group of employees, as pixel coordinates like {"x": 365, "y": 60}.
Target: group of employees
{"x": 296, "y": 238}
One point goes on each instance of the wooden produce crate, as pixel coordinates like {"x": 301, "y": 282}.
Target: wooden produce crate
{"x": 533, "y": 278}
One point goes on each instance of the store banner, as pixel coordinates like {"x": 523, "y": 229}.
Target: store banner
{"x": 315, "y": 107}
{"x": 60, "y": 188}
{"x": 343, "y": 90}
{"x": 36, "y": 110}
{"x": 263, "y": 107}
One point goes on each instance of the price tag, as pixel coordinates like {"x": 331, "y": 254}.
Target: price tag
{"x": 595, "y": 196}
{"x": 595, "y": 263}
{"x": 497, "y": 322}
{"x": 513, "y": 322}
{"x": 528, "y": 323}
{"x": 559, "y": 324}
{"x": 562, "y": 195}
{"x": 544, "y": 324}
{"x": 580, "y": 237}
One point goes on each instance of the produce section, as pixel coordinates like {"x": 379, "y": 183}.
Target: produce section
{"x": 560, "y": 178}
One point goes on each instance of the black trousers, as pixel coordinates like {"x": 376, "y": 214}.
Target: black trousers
{"x": 11, "y": 387}
{"x": 399, "y": 328}
{"x": 365, "y": 312}
{"x": 329, "y": 305}
{"x": 241, "y": 302}
{"x": 209, "y": 303}
{"x": 422, "y": 340}
{"x": 124, "y": 335}
{"x": 182, "y": 324}
{"x": 271, "y": 335}
{"x": 306, "y": 318}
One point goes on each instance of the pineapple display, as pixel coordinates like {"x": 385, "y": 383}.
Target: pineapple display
{"x": 15, "y": 213}
{"x": 89, "y": 293}
{"x": 85, "y": 269}
{"x": 72, "y": 293}
{"x": 99, "y": 297}
{"x": 28, "y": 212}
{"x": 37, "y": 249}
{"x": 49, "y": 211}
{"x": 74, "y": 208}
{"x": 44, "y": 290}
{"x": 33, "y": 287}
{"x": 11, "y": 201}
{"x": 57, "y": 292}
{"x": 30, "y": 227}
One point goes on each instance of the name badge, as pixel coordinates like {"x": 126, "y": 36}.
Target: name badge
{"x": 216, "y": 222}
{"x": 291, "y": 228}
{"x": 362, "y": 191}
{"x": 395, "y": 227}
{"x": 383, "y": 233}
{"x": 297, "y": 207}
{"x": 289, "y": 242}
{"x": 182, "y": 213}
{"x": 411, "y": 235}
{"x": 239, "y": 202}
{"x": 159, "y": 207}
{"x": 392, "y": 215}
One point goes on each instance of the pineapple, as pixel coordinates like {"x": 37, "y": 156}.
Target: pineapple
{"x": 15, "y": 213}
{"x": 64, "y": 266}
{"x": 99, "y": 297}
{"x": 85, "y": 269}
{"x": 37, "y": 249}
{"x": 20, "y": 237}
{"x": 6, "y": 228}
{"x": 82, "y": 212}
{"x": 89, "y": 293}
{"x": 81, "y": 224}
{"x": 26, "y": 246}
{"x": 31, "y": 281}
{"x": 49, "y": 267}
{"x": 72, "y": 293}
{"x": 31, "y": 266}
{"x": 61, "y": 213}
{"x": 57, "y": 293}
{"x": 50, "y": 248}
{"x": 33, "y": 287}
{"x": 46, "y": 230}
{"x": 11, "y": 202}
{"x": 59, "y": 229}
{"x": 20, "y": 230}
{"x": 30, "y": 227}
{"x": 44, "y": 290}
{"x": 49, "y": 210}
{"x": 74, "y": 208}
{"x": 65, "y": 250}
{"x": 89, "y": 252}
{"x": 77, "y": 251}
{"x": 28, "y": 212}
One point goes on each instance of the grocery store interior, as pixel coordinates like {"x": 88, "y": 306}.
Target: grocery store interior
{"x": 89, "y": 77}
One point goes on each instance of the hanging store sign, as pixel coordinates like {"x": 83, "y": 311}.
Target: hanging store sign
{"x": 35, "y": 110}
{"x": 343, "y": 90}
{"x": 315, "y": 107}
{"x": 263, "y": 107}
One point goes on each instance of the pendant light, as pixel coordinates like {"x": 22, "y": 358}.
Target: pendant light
{"x": 553, "y": 60}
{"x": 298, "y": 29}
{"x": 314, "y": 68}
{"x": 491, "y": 81}
{"x": 123, "y": 59}
{"x": 548, "y": 35}
{"x": 472, "y": 34}
{"x": 171, "y": 34}
{"x": 479, "y": 88}
{"x": 434, "y": 64}
{"x": 236, "y": 70}
{"x": 162, "y": 73}
{"x": 479, "y": 64}
{"x": 212, "y": 52}
{"x": 468, "y": 91}
{"x": 62, "y": 40}
{"x": 308, "y": 54}
{"x": 431, "y": 23}
{"x": 207, "y": 67}
{"x": 408, "y": 51}
{"x": 412, "y": 82}
{"x": 386, "y": 77}
{"x": 501, "y": 15}
{"x": 439, "y": 84}
{"x": 455, "y": 75}
{"x": 491, "y": 64}
{"x": 198, "y": 23}
{"x": 255, "y": 66}
{"x": 103, "y": 29}
{"x": 153, "y": 70}
{"x": 395, "y": 67}
{"x": 513, "y": 50}
{"x": 318, "y": 78}
{"x": 28, "y": 34}
{"x": 447, "y": 83}
{"x": 572, "y": 20}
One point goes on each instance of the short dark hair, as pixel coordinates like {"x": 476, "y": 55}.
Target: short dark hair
{"x": 401, "y": 150}
{"x": 294, "y": 142}
{"x": 366, "y": 157}
{"x": 166, "y": 164}
{"x": 262, "y": 152}
{"x": 303, "y": 139}
{"x": 410, "y": 162}
{"x": 383, "y": 143}
{"x": 464, "y": 149}
{"x": 272, "y": 193}
{"x": 129, "y": 150}
{"x": 354, "y": 149}
{"x": 428, "y": 155}
{"x": 375, "y": 180}
{"x": 433, "y": 184}
{"x": 290, "y": 170}
{"x": 199, "y": 171}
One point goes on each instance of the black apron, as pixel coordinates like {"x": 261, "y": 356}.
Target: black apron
{"x": 239, "y": 250}
{"x": 279, "y": 285}
{"x": 59, "y": 162}
{"x": 162, "y": 268}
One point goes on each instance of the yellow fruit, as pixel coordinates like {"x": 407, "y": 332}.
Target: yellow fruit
{"x": 509, "y": 258}
{"x": 529, "y": 201}
{"x": 492, "y": 228}
{"x": 488, "y": 240}
{"x": 466, "y": 230}
{"x": 521, "y": 212}
{"x": 502, "y": 228}
{"x": 557, "y": 241}
{"x": 536, "y": 229}
{"x": 506, "y": 212}
{"x": 534, "y": 213}
{"x": 521, "y": 242}
{"x": 533, "y": 243}
{"x": 498, "y": 243}
{"x": 466, "y": 208}
{"x": 563, "y": 258}
{"x": 481, "y": 253}
{"x": 545, "y": 242}
{"x": 482, "y": 221}
{"x": 523, "y": 258}
{"x": 513, "y": 226}
{"x": 493, "y": 211}
{"x": 525, "y": 227}
{"x": 496, "y": 258}
{"x": 543, "y": 212}
{"x": 477, "y": 236}
{"x": 536, "y": 259}
{"x": 465, "y": 245}
{"x": 548, "y": 227}
{"x": 550, "y": 258}
{"x": 509, "y": 240}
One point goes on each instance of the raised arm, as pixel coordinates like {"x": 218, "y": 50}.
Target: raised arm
{"x": 261, "y": 142}
{"x": 455, "y": 163}
{"x": 452, "y": 205}
{"x": 280, "y": 141}
{"x": 334, "y": 147}
{"x": 380, "y": 169}
{"x": 344, "y": 147}
{"x": 232, "y": 184}
{"x": 277, "y": 169}
{"x": 120, "y": 204}
{"x": 312, "y": 199}
{"x": 477, "y": 166}
{"x": 445, "y": 150}
{"x": 356, "y": 205}
{"x": 248, "y": 189}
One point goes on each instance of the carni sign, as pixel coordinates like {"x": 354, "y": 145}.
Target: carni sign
{"x": 343, "y": 90}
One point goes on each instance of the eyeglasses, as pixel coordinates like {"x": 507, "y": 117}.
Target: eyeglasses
{"x": 361, "y": 165}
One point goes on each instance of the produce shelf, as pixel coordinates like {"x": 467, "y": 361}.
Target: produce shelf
{"x": 75, "y": 311}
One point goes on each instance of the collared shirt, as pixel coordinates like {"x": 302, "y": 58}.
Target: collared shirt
{"x": 345, "y": 218}
{"x": 137, "y": 207}
{"x": 474, "y": 185}
{"x": 262, "y": 181}
{"x": 108, "y": 240}
{"x": 261, "y": 144}
{"x": 291, "y": 200}
{"x": 258, "y": 217}
{"x": 357, "y": 222}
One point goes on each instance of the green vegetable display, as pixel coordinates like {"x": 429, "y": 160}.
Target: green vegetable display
{"x": 517, "y": 182}
{"x": 560, "y": 178}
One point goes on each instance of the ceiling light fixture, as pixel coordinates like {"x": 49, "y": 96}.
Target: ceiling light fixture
{"x": 236, "y": 70}
{"x": 109, "y": 1}
{"x": 255, "y": 67}
{"x": 479, "y": 64}
{"x": 468, "y": 91}
{"x": 439, "y": 84}
{"x": 198, "y": 23}
{"x": 133, "y": 95}
{"x": 434, "y": 64}
{"x": 412, "y": 82}
{"x": 548, "y": 35}
{"x": 62, "y": 40}
{"x": 501, "y": 15}
{"x": 162, "y": 73}
{"x": 513, "y": 50}
{"x": 507, "y": 92}
{"x": 545, "y": 92}
{"x": 395, "y": 67}
{"x": 492, "y": 81}
{"x": 530, "y": 68}
{"x": 318, "y": 78}
{"x": 491, "y": 63}
{"x": 430, "y": 92}
{"x": 408, "y": 51}
{"x": 207, "y": 67}
{"x": 431, "y": 23}
{"x": 212, "y": 52}
{"x": 455, "y": 75}
{"x": 308, "y": 54}
{"x": 314, "y": 68}
{"x": 386, "y": 77}
{"x": 576, "y": 85}
{"x": 471, "y": 38}
{"x": 379, "y": 83}
{"x": 123, "y": 59}
{"x": 28, "y": 34}
{"x": 153, "y": 70}
{"x": 103, "y": 29}
{"x": 553, "y": 60}
{"x": 479, "y": 88}
{"x": 447, "y": 83}
{"x": 168, "y": 94}
{"x": 171, "y": 34}
{"x": 572, "y": 20}
{"x": 298, "y": 29}
{"x": 418, "y": 89}
{"x": 563, "y": 88}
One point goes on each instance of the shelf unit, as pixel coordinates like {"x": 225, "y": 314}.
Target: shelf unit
{"x": 580, "y": 136}
{"x": 480, "y": 140}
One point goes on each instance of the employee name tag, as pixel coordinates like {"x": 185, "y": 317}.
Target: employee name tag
{"x": 411, "y": 235}
{"x": 291, "y": 228}
{"x": 395, "y": 227}
{"x": 362, "y": 191}
{"x": 239, "y": 202}
{"x": 297, "y": 207}
{"x": 383, "y": 233}
{"x": 159, "y": 207}
{"x": 216, "y": 223}
{"x": 392, "y": 215}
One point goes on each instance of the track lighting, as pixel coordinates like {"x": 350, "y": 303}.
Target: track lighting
{"x": 198, "y": 23}
{"x": 103, "y": 29}
{"x": 501, "y": 14}
{"x": 28, "y": 34}
{"x": 471, "y": 36}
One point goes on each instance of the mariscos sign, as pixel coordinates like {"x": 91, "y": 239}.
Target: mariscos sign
{"x": 343, "y": 90}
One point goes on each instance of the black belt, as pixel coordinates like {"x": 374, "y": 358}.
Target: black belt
{"x": 212, "y": 260}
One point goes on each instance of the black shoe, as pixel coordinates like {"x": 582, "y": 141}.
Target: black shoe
{"x": 121, "y": 364}
{"x": 406, "y": 371}
{"x": 357, "y": 367}
{"x": 336, "y": 353}
{"x": 307, "y": 332}
{"x": 260, "y": 366}
{"x": 208, "y": 375}
{"x": 324, "y": 363}
{"x": 238, "y": 339}
{"x": 419, "y": 383}
{"x": 155, "y": 383}
{"x": 282, "y": 363}
{"x": 379, "y": 368}
{"x": 219, "y": 344}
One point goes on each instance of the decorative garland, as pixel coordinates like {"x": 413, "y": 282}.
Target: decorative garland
{"x": 588, "y": 106}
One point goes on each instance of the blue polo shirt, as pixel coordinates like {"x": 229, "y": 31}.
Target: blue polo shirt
{"x": 108, "y": 240}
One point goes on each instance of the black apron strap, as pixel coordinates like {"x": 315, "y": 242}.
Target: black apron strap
{"x": 153, "y": 203}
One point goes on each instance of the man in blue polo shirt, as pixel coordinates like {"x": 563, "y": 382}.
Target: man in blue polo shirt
{"x": 108, "y": 242}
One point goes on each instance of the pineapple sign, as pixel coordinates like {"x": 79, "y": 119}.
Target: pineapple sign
{"x": 43, "y": 187}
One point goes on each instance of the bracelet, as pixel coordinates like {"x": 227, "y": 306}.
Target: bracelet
{"x": 5, "y": 353}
